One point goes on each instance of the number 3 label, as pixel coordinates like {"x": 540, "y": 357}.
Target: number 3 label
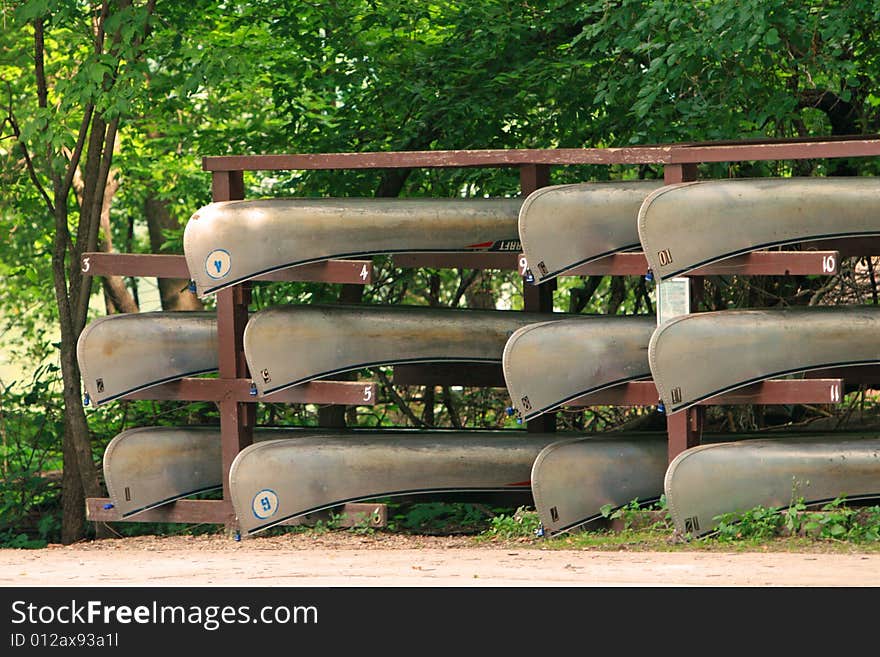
{"x": 86, "y": 265}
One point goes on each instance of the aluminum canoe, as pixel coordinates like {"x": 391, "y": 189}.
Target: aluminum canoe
{"x": 150, "y": 466}
{"x": 120, "y": 354}
{"x": 232, "y": 241}
{"x": 573, "y": 479}
{"x": 708, "y": 481}
{"x": 688, "y": 225}
{"x": 550, "y": 363}
{"x": 288, "y": 345}
{"x": 276, "y": 480}
{"x": 563, "y": 226}
{"x": 694, "y": 357}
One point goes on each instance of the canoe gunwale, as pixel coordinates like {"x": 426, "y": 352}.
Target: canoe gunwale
{"x": 205, "y": 292}
{"x": 589, "y": 391}
{"x": 672, "y": 408}
{"x": 599, "y": 516}
{"x": 372, "y": 496}
{"x": 371, "y": 364}
{"x": 759, "y": 247}
{"x": 168, "y": 500}
{"x": 584, "y": 261}
{"x": 152, "y": 384}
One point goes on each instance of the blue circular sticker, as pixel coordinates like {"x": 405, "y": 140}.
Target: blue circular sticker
{"x": 265, "y": 504}
{"x": 218, "y": 263}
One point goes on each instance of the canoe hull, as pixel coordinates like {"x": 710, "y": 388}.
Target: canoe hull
{"x": 562, "y": 226}
{"x": 747, "y": 346}
{"x": 229, "y": 242}
{"x": 708, "y": 481}
{"x": 289, "y": 345}
{"x": 277, "y": 480}
{"x": 689, "y": 225}
{"x": 120, "y": 354}
{"x": 572, "y": 480}
{"x": 147, "y": 467}
{"x": 608, "y": 350}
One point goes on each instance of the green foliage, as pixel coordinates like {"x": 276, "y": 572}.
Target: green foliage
{"x": 834, "y": 521}
{"x": 438, "y": 517}
{"x": 523, "y": 523}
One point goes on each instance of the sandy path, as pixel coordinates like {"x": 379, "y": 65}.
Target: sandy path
{"x": 345, "y": 560}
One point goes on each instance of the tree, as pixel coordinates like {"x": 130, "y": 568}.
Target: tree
{"x": 86, "y": 68}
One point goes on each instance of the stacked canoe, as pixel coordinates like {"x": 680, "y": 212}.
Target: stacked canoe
{"x": 547, "y": 360}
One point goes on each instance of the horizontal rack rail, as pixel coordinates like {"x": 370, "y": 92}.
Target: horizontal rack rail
{"x": 352, "y": 393}
{"x": 359, "y": 272}
{"x": 100, "y": 509}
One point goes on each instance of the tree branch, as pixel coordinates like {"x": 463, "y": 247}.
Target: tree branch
{"x": 399, "y": 401}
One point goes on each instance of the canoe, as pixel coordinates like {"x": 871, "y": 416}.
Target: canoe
{"x": 550, "y": 363}
{"x": 120, "y": 354}
{"x": 288, "y": 345}
{"x": 708, "y": 481}
{"x": 688, "y": 225}
{"x": 276, "y": 480}
{"x": 147, "y": 467}
{"x": 232, "y": 241}
{"x": 694, "y": 357}
{"x": 563, "y": 226}
{"x": 573, "y": 479}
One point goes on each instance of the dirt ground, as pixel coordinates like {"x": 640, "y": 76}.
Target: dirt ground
{"x": 339, "y": 559}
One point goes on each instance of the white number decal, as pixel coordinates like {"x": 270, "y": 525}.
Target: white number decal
{"x": 364, "y": 273}
{"x": 523, "y": 265}
{"x": 829, "y": 264}
{"x": 86, "y": 265}
{"x": 368, "y": 393}
{"x": 835, "y": 393}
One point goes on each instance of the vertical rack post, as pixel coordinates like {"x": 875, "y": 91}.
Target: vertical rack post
{"x": 537, "y": 298}
{"x": 685, "y": 427}
{"x": 236, "y": 418}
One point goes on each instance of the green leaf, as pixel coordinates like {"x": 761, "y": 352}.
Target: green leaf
{"x": 771, "y": 38}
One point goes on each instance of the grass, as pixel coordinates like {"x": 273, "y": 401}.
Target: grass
{"x": 835, "y": 527}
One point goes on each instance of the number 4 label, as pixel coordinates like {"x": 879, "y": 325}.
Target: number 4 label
{"x": 364, "y": 273}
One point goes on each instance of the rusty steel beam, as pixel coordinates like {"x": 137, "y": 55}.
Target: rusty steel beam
{"x": 219, "y": 512}
{"x": 776, "y": 391}
{"x": 673, "y": 154}
{"x": 174, "y": 266}
{"x": 448, "y": 374}
{"x": 350, "y": 393}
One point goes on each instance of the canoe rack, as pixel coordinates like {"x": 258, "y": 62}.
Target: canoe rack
{"x": 232, "y": 389}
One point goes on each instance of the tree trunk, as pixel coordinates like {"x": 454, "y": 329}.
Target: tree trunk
{"x": 73, "y": 515}
{"x": 174, "y": 292}
{"x": 117, "y": 297}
